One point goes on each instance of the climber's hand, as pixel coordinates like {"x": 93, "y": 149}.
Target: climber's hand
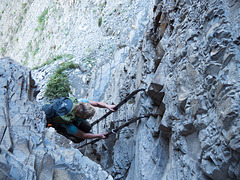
{"x": 111, "y": 107}
{"x": 103, "y": 136}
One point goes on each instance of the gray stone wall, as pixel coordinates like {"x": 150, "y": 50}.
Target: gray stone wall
{"x": 188, "y": 59}
{"x": 27, "y": 149}
{"x": 185, "y": 53}
{"x": 195, "y": 46}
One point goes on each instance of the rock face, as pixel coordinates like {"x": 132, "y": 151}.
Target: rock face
{"x": 185, "y": 53}
{"x": 27, "y": 150}
{"x": 199, "y": 73}
{"x": 189, "y": 62}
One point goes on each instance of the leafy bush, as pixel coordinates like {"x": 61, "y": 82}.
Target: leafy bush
{"x": 58, "y": 85}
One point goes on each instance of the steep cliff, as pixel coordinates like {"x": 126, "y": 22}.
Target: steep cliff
{"x": 186, "y": 54}
{"x": 27, "y": 149}
{"x": 197, "y": 45}
{"x": 188, "y": 60}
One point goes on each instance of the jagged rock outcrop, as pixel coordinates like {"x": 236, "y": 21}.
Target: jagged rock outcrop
{"x": 197, "y": 45}
{"x": 27, "y": 149}
{"x": 185, "y": 53}
{"x": 189, "y": 61}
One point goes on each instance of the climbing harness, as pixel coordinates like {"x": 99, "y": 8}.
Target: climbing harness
{"x": 118, "y": 106}
{"x": 114, "y": 131}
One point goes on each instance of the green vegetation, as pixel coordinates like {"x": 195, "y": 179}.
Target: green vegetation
{"x": 89, "y": 61}
{"x": 25, "y": 55}
{"x": 0, "y": 17}
{"x": 89, "y": 49}
{"x": 24, "y": 8}
{"x": 16, "y": 30}
{"x": 36, "y": 50}
{"x": 20, "y": 19}
{"x": 3, "y": 50}
{"x": 102, "y": 6}
{"x": 58, "y": 85}
{"x": 100, "y": 21}
{"x": 66, "y": 31}
{"x": 24, "y": 5}
{"x": 66, "y": 65}
{"x": 55, "y": 58}
{"x": 25, "y": 63}
{"x": 69, "y": 56}
{"x": 59, "y": 47}
{"x": 42, "y": 20}
{"x": 30, "y": 46}
{"x": 33, "y": 47}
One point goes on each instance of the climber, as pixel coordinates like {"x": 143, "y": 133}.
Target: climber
{"x": 68, "y": 116}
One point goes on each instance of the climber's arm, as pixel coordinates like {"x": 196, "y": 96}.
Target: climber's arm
{"x": 83, "y": 135}
{"x": 102, "y": 105}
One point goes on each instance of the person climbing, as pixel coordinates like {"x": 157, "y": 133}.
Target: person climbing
{"x": 69, "y": 117}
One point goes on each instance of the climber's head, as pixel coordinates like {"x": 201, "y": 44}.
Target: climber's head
{"x": 84, "y": 110}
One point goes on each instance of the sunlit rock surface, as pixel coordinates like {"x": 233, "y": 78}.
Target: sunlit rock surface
{"x": 185, "y": 53}
{"x": 27, "y": 149}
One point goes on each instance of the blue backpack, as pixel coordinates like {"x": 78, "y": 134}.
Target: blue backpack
{"x": 61, "y": 110}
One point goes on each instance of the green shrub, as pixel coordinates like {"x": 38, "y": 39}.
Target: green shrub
{"x": 66, "y": 65}
{"x": 58, "y": 85}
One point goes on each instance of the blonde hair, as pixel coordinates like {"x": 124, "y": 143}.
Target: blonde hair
{"x": 84, "y": 110}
